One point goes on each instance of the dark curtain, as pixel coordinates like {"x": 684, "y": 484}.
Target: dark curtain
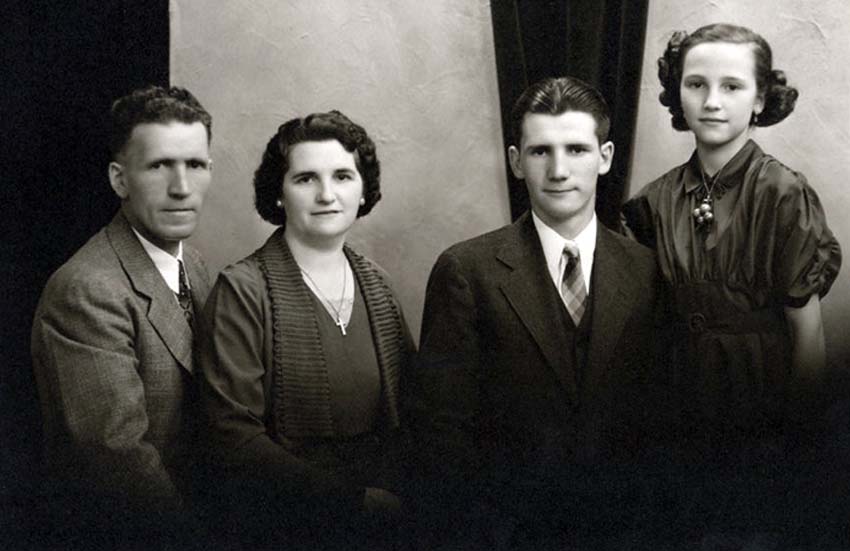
{"x": 62, "y": 64}
{"x": 598, "y": 41}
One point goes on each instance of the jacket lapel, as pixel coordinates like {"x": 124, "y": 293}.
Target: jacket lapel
{"x": 613, "y": 294}
{"x": 164, "y": 312}
{"x": 526, "y": 290}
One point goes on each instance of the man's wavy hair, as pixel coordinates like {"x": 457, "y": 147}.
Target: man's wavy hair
{"x": 153, "y": 104}
{"x": 556, "y": 96}
{"x": 779, "y": 98}
{"x": 317, "y": 127}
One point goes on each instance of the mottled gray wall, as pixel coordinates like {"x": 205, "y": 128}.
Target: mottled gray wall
{"x": 420, "y": 76}
{"x": 811, "y": 43}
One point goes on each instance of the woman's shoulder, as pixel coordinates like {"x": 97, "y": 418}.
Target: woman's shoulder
{"x": 245, "y": 276}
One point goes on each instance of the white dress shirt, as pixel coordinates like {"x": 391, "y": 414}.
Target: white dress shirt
{"x": 553, "y": 250}
{"x": 167, "y": 265}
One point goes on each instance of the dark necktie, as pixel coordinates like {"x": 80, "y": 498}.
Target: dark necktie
{"x": 185, "y": 294}
{"x": 572, "y": 285}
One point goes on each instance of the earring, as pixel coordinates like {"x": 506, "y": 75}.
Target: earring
{"x": 362, "y": 201}
{"x": 279, "y": 204}
{"x": 755, "y": 118}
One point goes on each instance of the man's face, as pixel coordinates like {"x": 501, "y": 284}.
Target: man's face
{"x": 560, "y": 159}
{"x": 161, "y": 176}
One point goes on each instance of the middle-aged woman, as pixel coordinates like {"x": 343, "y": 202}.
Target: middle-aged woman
{"x": 306, "y": 346}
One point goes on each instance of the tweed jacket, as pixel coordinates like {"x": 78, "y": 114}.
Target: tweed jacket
{"x": 113, "y": 361}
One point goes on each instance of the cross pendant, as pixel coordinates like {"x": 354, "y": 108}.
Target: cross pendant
{"x": 341, "y": 325}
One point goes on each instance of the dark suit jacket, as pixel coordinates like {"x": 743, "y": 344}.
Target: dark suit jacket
{"x": 113, "y": 360}
{"x": 506, "y": 412}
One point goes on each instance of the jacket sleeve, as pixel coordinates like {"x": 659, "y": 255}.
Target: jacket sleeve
{"x": 446, "y": 377}
{"x": 87, "y": 368}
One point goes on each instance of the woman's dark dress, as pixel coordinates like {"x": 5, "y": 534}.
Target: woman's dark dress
{"x": 730, "y": 349}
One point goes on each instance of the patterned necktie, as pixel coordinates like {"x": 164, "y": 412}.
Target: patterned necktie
{"x": 185, "y": 294}
{"x": 572, "y": 285}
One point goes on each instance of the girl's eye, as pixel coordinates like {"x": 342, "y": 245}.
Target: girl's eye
{"x": 694, "y": 85}
{"x": 344, "y": 176}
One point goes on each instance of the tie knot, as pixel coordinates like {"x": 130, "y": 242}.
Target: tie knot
{"x": 571, "y": 250}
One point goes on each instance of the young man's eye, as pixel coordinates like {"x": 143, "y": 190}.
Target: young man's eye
{"x": 538, "y": 151}
{"x": 197, "y": 165}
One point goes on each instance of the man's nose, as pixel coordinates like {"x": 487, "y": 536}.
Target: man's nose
{"x": 559, "y": 166}
{"x": 179, "y": 185}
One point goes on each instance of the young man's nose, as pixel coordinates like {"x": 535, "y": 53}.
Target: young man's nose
{"x": 559, "y": 166}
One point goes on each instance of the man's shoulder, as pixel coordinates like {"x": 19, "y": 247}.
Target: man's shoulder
{"x": 94, "y": 268}
{"x": 632, "y": 249}
{"x": 96, "y": 259}
{"x": 484, "y": 245}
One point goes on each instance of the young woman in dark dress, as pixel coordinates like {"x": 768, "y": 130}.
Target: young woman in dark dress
{"x": 743, "y": 242}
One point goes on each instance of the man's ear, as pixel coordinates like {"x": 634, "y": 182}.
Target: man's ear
{"x": 513, "y": 159}
{"x": 606, "y": 153}
{"x": 116, "y": 180}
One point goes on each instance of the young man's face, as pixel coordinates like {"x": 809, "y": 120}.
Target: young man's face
{"x": 560, "y": 158}
{"x": 162, "y": 176}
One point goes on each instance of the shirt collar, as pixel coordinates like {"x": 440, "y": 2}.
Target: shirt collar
{"x": 553, "y": 248}
{"x": 730, "y": 174}
{"x": 167, "y": 265}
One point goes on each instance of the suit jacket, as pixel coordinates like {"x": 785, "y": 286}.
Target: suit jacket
{"x": 505, "y": 409}
{"x": 113, "y": 361}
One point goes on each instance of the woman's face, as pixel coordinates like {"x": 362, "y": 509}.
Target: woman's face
{"x": 321, "y": 191}
{"x": 719, "y": 93}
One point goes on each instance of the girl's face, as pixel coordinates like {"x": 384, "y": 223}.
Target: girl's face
{"x": 719, "y": 93}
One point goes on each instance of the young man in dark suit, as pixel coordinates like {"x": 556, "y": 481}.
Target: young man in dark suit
{"x": 536, "y": 344}
{"x": 112, "y": 338}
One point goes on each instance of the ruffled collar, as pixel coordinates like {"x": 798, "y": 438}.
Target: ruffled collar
{"x": 727, "y": 177}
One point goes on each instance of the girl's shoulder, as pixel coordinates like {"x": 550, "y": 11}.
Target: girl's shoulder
{"x": 661, "y": 186}
{"x": 770, "y": 176}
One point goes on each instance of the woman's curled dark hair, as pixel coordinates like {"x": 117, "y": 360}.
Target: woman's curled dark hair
{"x": 317, "y": 127}
{"x": 779, "y": 98}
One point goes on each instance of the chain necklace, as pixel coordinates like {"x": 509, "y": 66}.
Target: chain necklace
{"x": 335, "y": 313}
{"x": 704, "y": 214}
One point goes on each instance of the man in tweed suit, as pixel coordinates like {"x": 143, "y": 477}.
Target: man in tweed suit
{"x": 112, "y": 334}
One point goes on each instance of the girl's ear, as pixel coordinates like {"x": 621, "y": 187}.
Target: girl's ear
{"x": 758, "y": 106}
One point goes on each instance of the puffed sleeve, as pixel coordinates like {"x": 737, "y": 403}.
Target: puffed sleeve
{"x": 807, "y": 256}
